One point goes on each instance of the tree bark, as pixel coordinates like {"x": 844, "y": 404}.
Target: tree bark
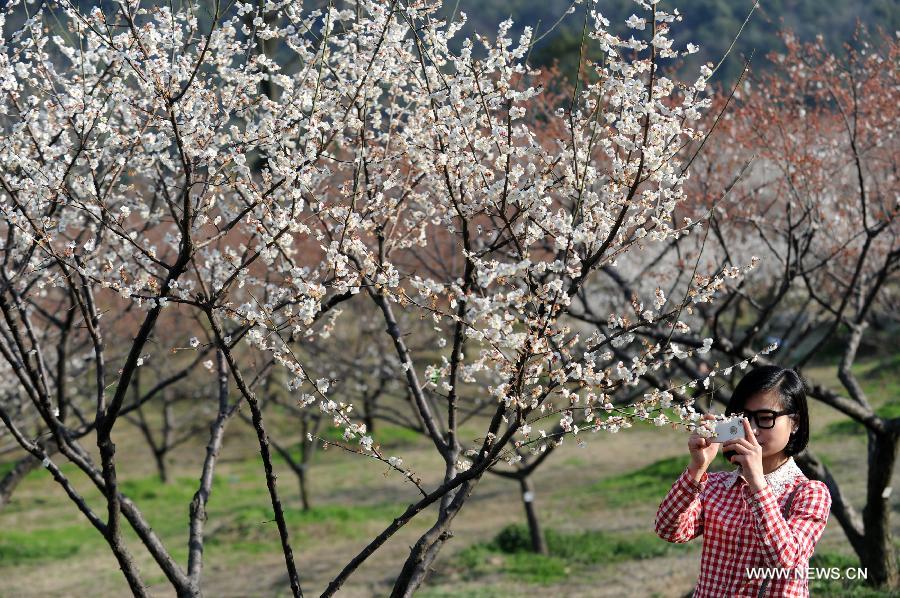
{"x": 198, "y": 513}
{"x": 538, "y": 543}
{"x": 850, "y": 520}
{"x": 263, "y": 439}
{"x": 878, "y": 557}
{"x": 162, "y": 470}
{"x": 418, "y": 564}
{"x": 13, "y": 477}
{"x": 422, "y": 555}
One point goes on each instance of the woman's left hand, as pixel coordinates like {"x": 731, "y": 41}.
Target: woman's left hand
{"x": 749, "y": 456}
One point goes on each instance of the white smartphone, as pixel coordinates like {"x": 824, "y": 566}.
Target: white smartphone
{"x": 729, "y": 429}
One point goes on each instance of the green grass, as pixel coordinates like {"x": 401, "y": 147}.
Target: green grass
{"x": 392, "y": 436}
{"x": 5, "y": 468}
{"x": 839, "y": 588}
{"x": 239, "y": 507}
{"x": 467, "y": 593}
{"x": 46, "y": 544}
{"x": 343, "y": 520}
{"x": 510, "y": 553}
{"x": 387, "y": 437}
{"x": 648, "y": 484}
{"x": 851, "y": 427}
{"x": 879, "y": 379}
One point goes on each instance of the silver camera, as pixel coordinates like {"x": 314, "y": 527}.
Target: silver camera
{"x": 729, "y": 429}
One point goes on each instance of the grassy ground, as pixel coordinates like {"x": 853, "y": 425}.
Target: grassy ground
{"x": 597, "y": 504}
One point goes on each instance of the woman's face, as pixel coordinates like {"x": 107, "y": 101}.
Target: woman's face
{"x": 773, "y": 440}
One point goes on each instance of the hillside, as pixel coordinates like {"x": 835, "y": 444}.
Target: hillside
{"x": 710, "y": 23}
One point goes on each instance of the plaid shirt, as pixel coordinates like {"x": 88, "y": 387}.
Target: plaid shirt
{"x": 744, "y": 529}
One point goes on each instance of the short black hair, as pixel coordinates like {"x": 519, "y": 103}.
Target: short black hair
{"x": 792, "y": 390}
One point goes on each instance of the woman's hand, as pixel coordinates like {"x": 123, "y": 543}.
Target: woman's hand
{"x": 749, "y": 457}
{"x": 703, "y": 451}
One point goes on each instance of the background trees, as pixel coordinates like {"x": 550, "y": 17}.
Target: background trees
{"x": 820, "y": 194}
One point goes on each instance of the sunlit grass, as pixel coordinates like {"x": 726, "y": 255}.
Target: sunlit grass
{"x": 510, "y": 553}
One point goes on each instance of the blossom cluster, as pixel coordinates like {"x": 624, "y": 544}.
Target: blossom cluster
{"x": 168, "y": 163}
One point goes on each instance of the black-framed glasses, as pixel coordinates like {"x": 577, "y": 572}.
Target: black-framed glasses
{"x": 765, "y": 418}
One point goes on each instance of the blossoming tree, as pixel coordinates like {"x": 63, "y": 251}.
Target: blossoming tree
{"x": 130, "y": 197}
{"x": 819, "y": 205}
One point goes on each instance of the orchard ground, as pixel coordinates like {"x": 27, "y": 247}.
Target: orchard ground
{"x": 596, "y": 503}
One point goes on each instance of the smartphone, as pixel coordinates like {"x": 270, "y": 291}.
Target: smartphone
{"x": 729, "y": 429}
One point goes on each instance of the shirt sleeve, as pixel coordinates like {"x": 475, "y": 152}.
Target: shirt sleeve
{"x": 787, "y": 543}
{"x": 679, "y": 518}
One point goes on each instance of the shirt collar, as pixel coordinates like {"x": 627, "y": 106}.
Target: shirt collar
{"x": 778, "y": 479}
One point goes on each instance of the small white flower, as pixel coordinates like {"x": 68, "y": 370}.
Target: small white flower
{"x": 660, "y": 299}
{"x": 195, "y": 342}
{"x": 636, "y": 22}
{"x": 707, "y": 428}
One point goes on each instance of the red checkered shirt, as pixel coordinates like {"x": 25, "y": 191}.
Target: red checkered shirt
{"x": 744, "y": 529}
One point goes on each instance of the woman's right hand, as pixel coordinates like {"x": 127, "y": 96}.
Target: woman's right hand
{"x": 703, "y": 451}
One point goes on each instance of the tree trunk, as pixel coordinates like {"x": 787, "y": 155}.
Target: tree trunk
{"x": 307, "y": 446}
{"x": 538, "y": 544}
{"x": 879, "y": 558}
{"x": 304, "y": 495}
{"x": 416, "y": 569}
{"x": 160, "y": 458}
{"x": 869, "y": 535}
{"x": 368, "y": 413}
{"x": 850, "y": 520}
{"x": 418, "y": 564}
{"x": 11, "y": 480}
{"x": 167, "y": 443}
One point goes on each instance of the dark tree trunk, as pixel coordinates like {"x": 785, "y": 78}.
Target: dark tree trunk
{"x": 869, "y": 534}
{"x": 161, "y": 469}
{"x": 538, "y": 544}
{"x": 878, "y": 557}
{"x": 847, "y": 516}
{"x": 11, "y": 480}
{"x": 304, "y": 494}
{"x": 368, "y": 413}
{"x": 418, "y": 565}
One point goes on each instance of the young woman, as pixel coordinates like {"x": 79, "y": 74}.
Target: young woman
{"x": 763, "y": 519}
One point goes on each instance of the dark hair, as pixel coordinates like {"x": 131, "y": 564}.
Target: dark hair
{"x": 792, "y": 391}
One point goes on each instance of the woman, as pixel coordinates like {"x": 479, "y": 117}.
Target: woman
{"x": 763, "y": 519}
